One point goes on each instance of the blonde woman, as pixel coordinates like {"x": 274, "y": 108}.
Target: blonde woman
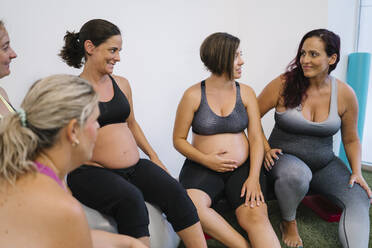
{"x": 49, "y": 136}
{"x": 6, "y": 56}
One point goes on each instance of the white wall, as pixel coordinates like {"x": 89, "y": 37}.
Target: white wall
{"x": 365, "y": 45}
{"x": 343, "y": 20}
{"x": 161, "y": 42}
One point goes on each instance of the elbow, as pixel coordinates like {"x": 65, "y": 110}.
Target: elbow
{"x": 177, "y": 143}
{"x": 350, "y": 140}
{"x": 256, "y": 138}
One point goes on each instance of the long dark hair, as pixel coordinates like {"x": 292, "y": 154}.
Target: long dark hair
{"x": 96, "y": 30}
{"x": 296, "y": 83}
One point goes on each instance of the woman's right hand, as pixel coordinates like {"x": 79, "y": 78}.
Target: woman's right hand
{"x": 270, "y": 155}
{"x": 216, "y": 162}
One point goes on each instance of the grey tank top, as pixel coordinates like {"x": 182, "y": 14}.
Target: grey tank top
{"x": 206, "y": 122}
{"x": 293, "y": 121}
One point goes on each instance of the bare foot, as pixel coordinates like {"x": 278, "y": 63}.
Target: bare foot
{"x": 290, "y": 234}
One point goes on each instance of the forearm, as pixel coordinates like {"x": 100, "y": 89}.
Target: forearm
{"x": 256, "y": 154}
{"x": 265, "y": 142}
{"x": 141, "y": 140}
{"x": 353, "y": 154}
{"x": 190, "y": 152}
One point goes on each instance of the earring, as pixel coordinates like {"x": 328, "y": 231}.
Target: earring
{"x": 75, "y": 143}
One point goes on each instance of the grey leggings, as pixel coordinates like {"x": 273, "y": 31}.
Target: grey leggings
{"x": 292, "y": 180}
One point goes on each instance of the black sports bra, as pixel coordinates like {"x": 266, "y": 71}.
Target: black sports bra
{"x": 206, "y": 122}
{"x": 116, "y": 110}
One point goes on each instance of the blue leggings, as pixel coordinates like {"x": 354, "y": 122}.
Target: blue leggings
{"x": 293, "y": 179}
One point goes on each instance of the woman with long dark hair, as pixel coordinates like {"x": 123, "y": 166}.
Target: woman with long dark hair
{"x": 310, "y": 107}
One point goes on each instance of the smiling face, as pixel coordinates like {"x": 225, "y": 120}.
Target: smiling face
{"x": 6, "y": 52}
{"x": 314, "y": 59}
{"x": 238, "y": 63}
{"x": 105, "y": 56}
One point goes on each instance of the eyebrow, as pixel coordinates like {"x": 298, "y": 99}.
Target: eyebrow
{"x": 312, "y": 50}
{"x": 115, "y": 48}
{"x": 6, "y": 43}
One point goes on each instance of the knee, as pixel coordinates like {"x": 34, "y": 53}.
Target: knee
{"x": 248, "y": 217}
{"x": 200, "y": 199}
{"x": 358, "y": 205}
{"x": 131, "y": 199}
{"x": 294, "y": 181}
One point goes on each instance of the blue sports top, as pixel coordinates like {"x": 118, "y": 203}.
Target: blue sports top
{"x": 293, "y": 121}
{"x": 206, "y": 122}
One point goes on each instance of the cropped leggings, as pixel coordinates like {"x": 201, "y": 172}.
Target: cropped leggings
{"x": 217, "y": 184}
{"x": 121, "y": 193}
{"x": 292, "y": 180}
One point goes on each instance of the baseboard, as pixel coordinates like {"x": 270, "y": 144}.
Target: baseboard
{"x": 366, "y": 167}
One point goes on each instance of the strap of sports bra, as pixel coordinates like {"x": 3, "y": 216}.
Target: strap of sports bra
{"x": 9, "y": 107}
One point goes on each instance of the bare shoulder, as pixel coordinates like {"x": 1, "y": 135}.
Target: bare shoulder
{"x": 54, "y": 216}
{"x": 191, "y": 98}
{"x": 193, "y": 92}
{"x": 45, "y": 192}
{"x": 123, "y": 83}
{"x": 345, "y": 91}
{"x": 346, "y": 98}
{"x": 276, "y": 85}
{"x": 246, "y": 90}
{"x": 272, "y": 91}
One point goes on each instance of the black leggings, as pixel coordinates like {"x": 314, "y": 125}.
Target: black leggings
{"x": 217, "y": 184}
{"x": 121, "y": 193}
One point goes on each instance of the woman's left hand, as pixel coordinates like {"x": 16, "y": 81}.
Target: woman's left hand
{"x": 358, "y": 178}
{"x": 157, "y": 161}
{"x": 252, "y": 191}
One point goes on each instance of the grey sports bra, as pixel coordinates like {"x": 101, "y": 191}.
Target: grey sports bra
{"x": 293, "y": 121}
{"x": 206, "y": 122}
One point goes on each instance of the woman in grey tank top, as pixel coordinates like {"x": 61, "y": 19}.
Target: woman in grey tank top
{"x": 310, "y": 107}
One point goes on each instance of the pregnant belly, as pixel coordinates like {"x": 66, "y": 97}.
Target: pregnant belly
{"x": 115, "y": 147}
{"x": 233, "y": 145}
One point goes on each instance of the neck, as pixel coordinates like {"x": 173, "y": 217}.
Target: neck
{"x": 46, "y": 158}
{"x": 92, "y": 75}
{"x": 319, "y": 81}
{"x": 220, "y": 81}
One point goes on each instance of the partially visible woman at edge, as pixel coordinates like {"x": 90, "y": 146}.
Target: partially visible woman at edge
{"x": 6, "y": 56}
{"x": 100, "y": 238}
{"x": 51, "y": 134}
{"x": 123, "y": 177}
{"x": 310, "y": 107}
{"x": 222, "y": 159}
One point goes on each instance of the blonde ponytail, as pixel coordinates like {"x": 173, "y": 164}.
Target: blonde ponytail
{"x": 49, "y": 105}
